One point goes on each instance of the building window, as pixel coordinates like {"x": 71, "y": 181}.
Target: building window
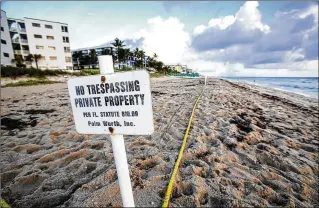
{"x": 67, "y": 49}
{"x": 39, "y": 47}
{"x": 64, "y": 28}
{"x": 2, "y": 29}
{"x": 5, "y": 54}
{"x": 68, "y": 59}
{"x": 48, "y": 26}
{"x": 3, "y": 42}
{"x": 35, "y": 24}
{"x": 51, "y": 48}
{"x": 42, "y": 58}
{"x": 50, "y": 37}
{"x": 37, "y": 36}
{"x": 65, "y": 39}
{"x": 52, "y": 58}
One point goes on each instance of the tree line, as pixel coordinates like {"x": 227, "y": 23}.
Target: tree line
{"x": 123, "y": 55}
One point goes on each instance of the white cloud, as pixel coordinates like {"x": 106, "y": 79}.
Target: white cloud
{"x": 223, "y": 22}
{"x": 166, "y": 37}
{"x": 312, "y": 10}
{"x": 248, "y": 16}
{"x": 199, "y": 29}
{"x": 288, "y": 47}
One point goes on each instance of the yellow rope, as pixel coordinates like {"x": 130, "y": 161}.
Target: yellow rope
{"x": 180, "y": 155}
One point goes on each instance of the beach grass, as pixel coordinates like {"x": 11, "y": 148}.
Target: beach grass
{"x": 91, "y": 71}
{"x": 4, "y": 204}
{"x": 30, "y": 82}
{"x": 156, "y": 75}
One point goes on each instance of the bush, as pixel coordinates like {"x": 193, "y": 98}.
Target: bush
{"x": 92, "y": 71}
{"x": 82, "y": 73}
{"x": 21, "y": 65}
{"x": 4, "y": 204}
{"x": 156, "y": 75}
{"x": 124, "y": 69}
{"x": 32, "y": 72}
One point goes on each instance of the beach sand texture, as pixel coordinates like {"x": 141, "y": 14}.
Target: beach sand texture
{"x": 248, "y": 146}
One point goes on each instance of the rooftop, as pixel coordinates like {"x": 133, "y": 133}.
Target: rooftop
{"x": 9, "y": 18}
{"x": 45, "y": 20}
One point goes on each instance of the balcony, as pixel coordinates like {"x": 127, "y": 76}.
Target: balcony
{"x": 17, "y": 52}
{"x": 24, "y": 41}
{"x": 22, "y": 30}
{"x": 12, "y": 29}
{"x": 26, "y": 52}
{"x": 15, "y": 41}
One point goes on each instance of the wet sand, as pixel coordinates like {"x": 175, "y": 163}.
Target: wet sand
{"x": 248, "y": 146}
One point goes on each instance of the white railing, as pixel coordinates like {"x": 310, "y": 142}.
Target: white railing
{"x": 25, "y": 52}
{"x": 22, "y": 30}
{"x": 24, "y": 41}
{"x": 17, "y": 52}
{"x": 15, "y": 41}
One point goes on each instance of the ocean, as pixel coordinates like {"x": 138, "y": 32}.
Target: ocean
{"x": 307, "y": 86}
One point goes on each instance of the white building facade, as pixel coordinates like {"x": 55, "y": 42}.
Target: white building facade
{"x": 6, "y": 44}
{"x": 47, "y": 38}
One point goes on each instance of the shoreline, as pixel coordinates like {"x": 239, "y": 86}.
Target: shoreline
{"x": 271, "y": 87}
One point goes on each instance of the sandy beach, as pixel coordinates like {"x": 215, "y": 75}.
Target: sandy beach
{"x": 248, "y": 146}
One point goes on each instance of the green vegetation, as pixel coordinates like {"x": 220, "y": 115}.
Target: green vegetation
{"x": 124, "y": 69}
{"x": 156, "y": 75}
{"x": 91, "y": 71}
{"x": 30, "y": 82}
{"x": 15, "y": 72}
{"x": 3, "y": 204}
{"x": 32, "y": 72}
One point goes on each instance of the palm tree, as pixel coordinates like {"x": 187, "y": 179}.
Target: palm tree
{"x": 141, "y": 56}
{"x": 77, "y": 55}
{"x": 93, "y": 57}
{"x": 35, "y": 58}
{"x": 135, "y": 52}
{"x": 118, "y": 44}
{"x": 18, "y": 61}
{"x": 127, "y": 55}
{"x": 155, "y": 55}
{"x": 106, "y": 51}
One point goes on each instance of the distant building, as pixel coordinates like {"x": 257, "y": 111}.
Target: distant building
{"x": 34, "y": 36}
{"x": 179, "y": 68}
{"x": 189, "y": 71}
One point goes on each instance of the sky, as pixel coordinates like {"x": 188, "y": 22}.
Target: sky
{"x": 216, "y": 38}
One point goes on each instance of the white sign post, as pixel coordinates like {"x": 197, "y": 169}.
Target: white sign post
{"x": 114, "y": 104}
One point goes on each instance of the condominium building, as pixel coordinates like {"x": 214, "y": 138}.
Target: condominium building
{"x": 47, "y": 38}
{"x": 6, "y": 45}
